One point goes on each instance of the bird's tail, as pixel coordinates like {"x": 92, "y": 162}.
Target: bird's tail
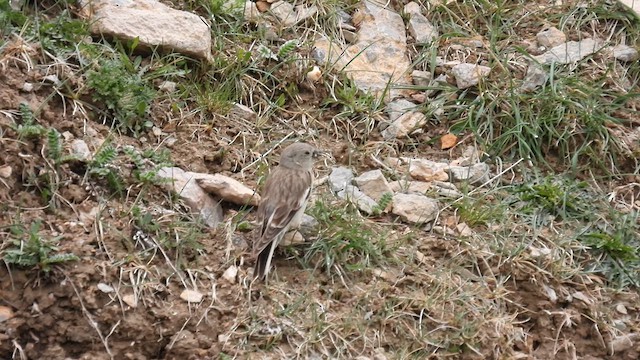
{"x": 263, "y": 261}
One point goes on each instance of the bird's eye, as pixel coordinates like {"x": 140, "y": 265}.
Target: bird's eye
{"x": 307, "y": 152}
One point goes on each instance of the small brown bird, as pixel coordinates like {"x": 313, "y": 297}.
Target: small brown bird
{"x": 284, "y": 200}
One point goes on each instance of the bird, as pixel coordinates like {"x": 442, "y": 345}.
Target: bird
{"x": 283, "y": 202}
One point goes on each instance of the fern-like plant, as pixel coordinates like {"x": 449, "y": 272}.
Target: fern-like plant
{"x": 29, "y": 249}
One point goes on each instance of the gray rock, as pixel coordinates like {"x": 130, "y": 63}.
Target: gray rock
{"x": 373, "y": 184}
{"x": 339, "y": 178}
{"x": 415, "y": 208}
{"x": 478, "y": 173}
{"x": 427, "y": 170}
{"x": 185, "y": 186}
{"x": 419, "y": 26}
{"x": 378, "y": 58}
{"x": 243, "y": 112}
{"x": 80, "y": 149}
{"x": 569, "y": 52}
{"x": 421, "y": 78}
{"x": 468, "y": 75}
{"x": 358, "y": 198}
{"x": 551, "y": 37}
{"x": 226, "y": 188}
{"x": 408, "y": 187}
{"x": 153, "y": 23}
{"x": 288, "y": 15}
{"x": 536, "y": 77}
{"x": 399, "y": 107}
{"x": 624, "y": 53}
{"x": 404, "y": 125}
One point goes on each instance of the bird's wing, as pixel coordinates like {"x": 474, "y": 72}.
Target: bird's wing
{"x": 280, "y": 203}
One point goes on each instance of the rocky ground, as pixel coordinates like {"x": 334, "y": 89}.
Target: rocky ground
{"x": 480, "y": 201}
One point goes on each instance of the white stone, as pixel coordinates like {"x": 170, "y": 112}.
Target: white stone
{"x": 624, "y": 53}
{"x": 378, "y": 61}
{"x": 27, "y": 87}
{"x": 415, "y": 208}
{"x": 6, "y": 313}
{"x": 230, "y": 274}
{"x": 399, "y": 107}
{"x": 569, "y": 52}
{"x": 536, "y": 77}
{"x": 404, "y": 125}
{"x": 6, "y": 171}
{"x": 361, "y": 200}
{"x": 80, "y": 149}
{"x": 551, "y": 37}
{"x": 427, "y": 170}
{"x": 226, "y": 188}
{"x": 288, "y": 15}
{"x": 168, "y": 86}
{"x": 478, "y": 173}
{"x": 191, "y": 296}
{"x": 105, "y": 288}
{"x": 419, "y": 26}
{"x": 373, "y": 184}
{"x": 339, "y": 178}
{"x": 130, "y": 299}
{"x": 408, "y": 187}
{"x": 184, "y": 184}
{"x": 468, "y": 75}
{"x": 152, "y": 22}
{"x": 421, "y": 78}
{"x": 243, "y": 112}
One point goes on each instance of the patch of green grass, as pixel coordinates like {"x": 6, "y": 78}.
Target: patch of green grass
{"x": 617, "y": 245}
{"x": 179, "y": 237}
{"x": 27, "y": 248}
{"x": 478, "y": 212}
{"x": 119, "y": 84}
{"x": 346, "y": 242}
{"x": 557, "y": 196}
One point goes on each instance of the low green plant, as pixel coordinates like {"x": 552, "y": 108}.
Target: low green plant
{"x": 101, "y": 167}
{"x": 28, "y": 249}
{"x": 345, "y": 240}
{"x": 556, "y": 196}
{"x": 28, "y": 128}
{"x": 119, "y": 83}
{"x": 617, "y": 243}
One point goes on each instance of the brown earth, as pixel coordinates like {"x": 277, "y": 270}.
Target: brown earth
{"x": 64, "y": 314}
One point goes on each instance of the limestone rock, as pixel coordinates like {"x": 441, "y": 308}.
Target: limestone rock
{"x": 409, "y": 187}
{"x": 421, "y": 78}
{"x": 379, "y": 56}
{"x": 427, "y": 170}
{"x": 399, "y": 107}
{"x": 228, "y": 189}
{"x": 152, "y": 22}
{"x": 80, "y": 149}
{"x": 404, "y": 125}
{"x": 475, "y": 174}
{"x": 625, "y": 53}
{"x": 468, "y": 75}
{"x": 358, "y": 198}
{"x": 339, "y": 178}
{"x": 570, "y": 52}
{"x": 419, "y": 26}
{"x": 415, "y": 208}
{"x": 373, "y": 184}
{"x": 184, "y": 184}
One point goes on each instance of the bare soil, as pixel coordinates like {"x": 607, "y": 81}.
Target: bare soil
{"x": 65, "y": 314}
